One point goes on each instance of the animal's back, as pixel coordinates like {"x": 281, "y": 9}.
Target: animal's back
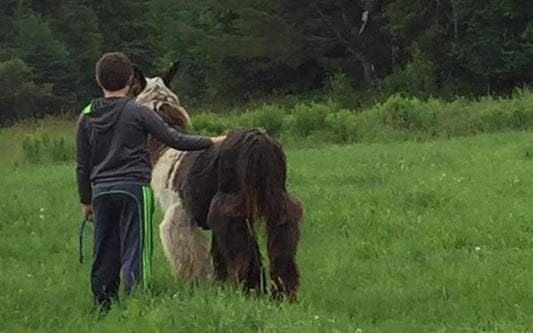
{"x": 247, "y": 162}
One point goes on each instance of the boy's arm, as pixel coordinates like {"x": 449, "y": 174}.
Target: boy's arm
{"x": 157, "y": 127}
{"x": 83, "y": 157}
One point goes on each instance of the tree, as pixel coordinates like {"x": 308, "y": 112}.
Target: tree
{"x": 76, "y": 25}
{"x": 234, "y": 50}
{"x": 48, "y": 56}
{"x": 355, "y": 27}
{"x": 20, "y": 97}
{"x": 458, "y": 35}
{"x": 125, "y": 27}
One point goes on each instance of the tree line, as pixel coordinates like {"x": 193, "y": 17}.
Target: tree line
{"x": 239, "y": 50}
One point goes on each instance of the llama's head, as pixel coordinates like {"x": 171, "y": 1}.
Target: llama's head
{"x": 155, "y": 93}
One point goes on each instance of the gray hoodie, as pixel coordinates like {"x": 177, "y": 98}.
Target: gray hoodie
{"x": 111, "y": 143}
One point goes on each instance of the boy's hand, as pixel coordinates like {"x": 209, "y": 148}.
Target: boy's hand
{"x": 87, "y": 211}
{"x": 218, "y": 139}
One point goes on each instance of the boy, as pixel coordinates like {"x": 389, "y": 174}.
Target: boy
{"x": 113, "y": 174}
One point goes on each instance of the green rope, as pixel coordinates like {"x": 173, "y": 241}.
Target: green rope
{"x": 81, "y": 236}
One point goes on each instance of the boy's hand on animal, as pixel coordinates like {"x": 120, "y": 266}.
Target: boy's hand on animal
{"x": 87, "y": 211}
{"x": 218, "y": 139}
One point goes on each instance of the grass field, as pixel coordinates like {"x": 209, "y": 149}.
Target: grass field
{"x": 407, "y": 237}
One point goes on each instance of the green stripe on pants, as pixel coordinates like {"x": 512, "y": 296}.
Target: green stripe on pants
{"x": 146, "y": 228}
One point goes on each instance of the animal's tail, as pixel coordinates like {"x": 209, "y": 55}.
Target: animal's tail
{"x": 261, "y": 170}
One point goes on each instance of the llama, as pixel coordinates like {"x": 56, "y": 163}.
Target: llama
{"x": 227, "y": 189}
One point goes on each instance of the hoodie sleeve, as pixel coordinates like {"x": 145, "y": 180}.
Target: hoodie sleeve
{"x": 83, "y": 157}
{"x": 156, "y": 126}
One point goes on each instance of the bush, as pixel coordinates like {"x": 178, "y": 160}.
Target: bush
{"x": 339, "y": 87}
{"x": 453, "y": 119}
{"x": 311, "y": 117}
{"x": 521, "y": 107}
{"x": 398, "y": 118}
{"x": 39, "y": 148}
{"x": 270, "y": 118}
{"x": 343, "y": 126}
{"x": 32, "y": 149}
{"x": 401, "y": 113}
{"x": 208, "y": 123}
{"x": 59, "y": 151}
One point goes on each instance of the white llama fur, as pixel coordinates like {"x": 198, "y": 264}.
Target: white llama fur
{"x": 184, "y": 243}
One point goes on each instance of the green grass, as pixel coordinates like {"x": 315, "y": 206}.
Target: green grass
{"x": 406, "y": 237}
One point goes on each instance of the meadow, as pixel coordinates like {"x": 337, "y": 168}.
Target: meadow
{"x": 434, "y": 236}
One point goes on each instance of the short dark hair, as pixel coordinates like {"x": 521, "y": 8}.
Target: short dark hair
{"x": 113, "y": 71}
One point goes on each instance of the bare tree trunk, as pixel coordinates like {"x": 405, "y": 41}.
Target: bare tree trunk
{"x": 368, "y": 68}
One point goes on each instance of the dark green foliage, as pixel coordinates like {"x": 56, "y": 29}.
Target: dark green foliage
{"x": 77, "y": 25}
{"x": 233, "y": 52}
{"x": 20, "y": 96}
{"x": 45, "y": 53}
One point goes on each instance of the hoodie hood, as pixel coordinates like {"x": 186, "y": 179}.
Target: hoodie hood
{"x": 105, "y": 112}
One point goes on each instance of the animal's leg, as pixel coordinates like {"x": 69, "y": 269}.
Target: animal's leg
{"x": 283, "y": 236}
{"x": 256, "y": 276}
{"x": 184, "y": 244}
{"x": 234, "y": 241}
{"x": 219, "y": 264}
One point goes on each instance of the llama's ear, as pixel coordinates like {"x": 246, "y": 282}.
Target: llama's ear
{"x": 138, "y": 82}
{"x": 173, "y": 69}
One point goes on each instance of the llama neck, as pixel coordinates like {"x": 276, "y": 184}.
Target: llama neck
{"x": 158, "y": 97}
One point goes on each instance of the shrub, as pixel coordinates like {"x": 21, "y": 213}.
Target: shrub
{"x": 38, "y": 148}
{"x": 208, "y": 123}
{"x": 343, "y": 126}
{"x": 520, "y": 108}
{"x": 59, "y": 151}
{"x": 311, "y": 117}
{"x": 270, "y": 118}
{"x": 401, "y": 113}
{"x": 339, "y": 87}
{"x": 32, "y": 149}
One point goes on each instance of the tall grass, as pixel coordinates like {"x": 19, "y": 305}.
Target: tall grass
{"x": 308, "y": 124}
{"x": 398, "y": 118}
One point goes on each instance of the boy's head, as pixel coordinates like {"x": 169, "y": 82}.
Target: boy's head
{"x": 114, "y": 71}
